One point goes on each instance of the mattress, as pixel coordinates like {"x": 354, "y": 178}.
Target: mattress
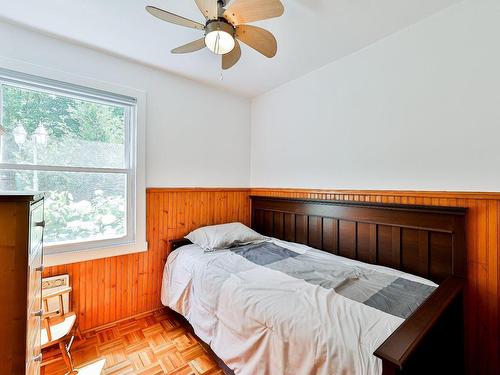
{"x": 278, "y": 307}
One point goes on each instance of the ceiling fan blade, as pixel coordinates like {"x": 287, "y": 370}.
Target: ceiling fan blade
{"x": 174, "y": 18}
{"x": 209, "y": 8}
{"x": 231, "y": 58}
{"x": 190, "y": 47}
{"x": 259, "y": 39}
{"x": 245, "y": 11}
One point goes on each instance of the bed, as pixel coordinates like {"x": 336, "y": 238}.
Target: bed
{"x": 339, "y": 288}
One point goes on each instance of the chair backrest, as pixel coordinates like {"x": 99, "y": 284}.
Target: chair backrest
{"x": 55, "y": 303}
{"x": 52, "y": 284}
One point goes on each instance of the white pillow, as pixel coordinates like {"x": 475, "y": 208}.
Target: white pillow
{"x": 223, "y": 236}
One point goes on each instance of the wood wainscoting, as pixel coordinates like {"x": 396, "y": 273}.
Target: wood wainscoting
{"x": 111, "y": 289}
{"x": 483, "y": 252}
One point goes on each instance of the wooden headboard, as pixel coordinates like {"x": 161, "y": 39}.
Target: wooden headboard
{"x": 424, "y": 241}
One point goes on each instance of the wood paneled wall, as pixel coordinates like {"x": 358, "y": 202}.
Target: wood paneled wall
{"x": 110, "y": 289}
{"x": 483, "y": 252}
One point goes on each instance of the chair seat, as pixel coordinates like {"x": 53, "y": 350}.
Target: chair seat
{"x": 58, "y": 329}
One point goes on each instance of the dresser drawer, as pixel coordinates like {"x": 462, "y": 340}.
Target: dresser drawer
{"x": 33, "y": 350}
{"x": 37, "y": 224}
{"x": 33, "y": 368}
{"x": 35, "y": 269}
{"x": 34, "y": 296}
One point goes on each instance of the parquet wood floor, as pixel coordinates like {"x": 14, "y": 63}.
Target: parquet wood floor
{"x": 154, "y": 343}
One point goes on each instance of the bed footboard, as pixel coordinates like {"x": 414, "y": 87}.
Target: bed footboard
{"x": 431, "y": 339}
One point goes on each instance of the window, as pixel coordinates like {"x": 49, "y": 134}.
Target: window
{"x": 77, "y": 145}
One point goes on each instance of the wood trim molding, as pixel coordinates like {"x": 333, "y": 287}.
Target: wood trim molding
{"x": 111, "y": 324}
{"x": 343, "y": 192}
{"x": 380, "y": 193}
{"x": 193, "y": 189}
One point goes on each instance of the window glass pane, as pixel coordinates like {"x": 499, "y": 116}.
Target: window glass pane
{"x": 78, "y": 206}
{"x": 47, "y": 129}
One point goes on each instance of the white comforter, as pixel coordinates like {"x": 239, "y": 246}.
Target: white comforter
{"x": 262, "y": 321}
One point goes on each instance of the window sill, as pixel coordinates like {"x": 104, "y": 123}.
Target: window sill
{"x": 56, "y": 259}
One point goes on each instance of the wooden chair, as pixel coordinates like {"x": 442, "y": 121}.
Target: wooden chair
{"x": 58, "y": 326}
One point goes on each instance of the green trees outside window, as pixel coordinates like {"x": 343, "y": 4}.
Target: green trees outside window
{"x": 72, "y": 149}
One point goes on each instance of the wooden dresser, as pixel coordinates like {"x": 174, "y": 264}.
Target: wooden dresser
{"x": 21, "y": 248}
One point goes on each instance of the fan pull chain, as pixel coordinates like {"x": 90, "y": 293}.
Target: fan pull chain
{"x": 221, "y": 76}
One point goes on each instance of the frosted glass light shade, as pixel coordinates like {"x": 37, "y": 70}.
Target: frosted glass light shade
{"x": 219, "y": 42}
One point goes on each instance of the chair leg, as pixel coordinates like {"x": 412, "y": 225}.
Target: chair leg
{"x": 79, "y": 334}
{"x": 67, "y": 358}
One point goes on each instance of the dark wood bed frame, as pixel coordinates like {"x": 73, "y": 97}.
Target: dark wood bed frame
{"x": 424, "y": 241}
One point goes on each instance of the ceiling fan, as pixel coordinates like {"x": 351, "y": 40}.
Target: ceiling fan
{"x": 224, "y": 26}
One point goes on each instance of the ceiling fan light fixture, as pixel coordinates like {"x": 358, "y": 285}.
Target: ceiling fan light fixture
{"x": 219, "y": 37}
{"x": 225, "y": 27}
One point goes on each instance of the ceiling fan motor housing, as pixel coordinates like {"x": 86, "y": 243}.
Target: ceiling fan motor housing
{"x": 219, "y": 25}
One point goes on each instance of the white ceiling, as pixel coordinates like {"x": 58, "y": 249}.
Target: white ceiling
{"x": 310, "y": 34}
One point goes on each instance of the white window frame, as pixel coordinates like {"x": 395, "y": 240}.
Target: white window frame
{"x": 134, "y": 240}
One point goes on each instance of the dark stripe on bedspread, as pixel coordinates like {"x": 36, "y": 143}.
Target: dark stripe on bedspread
{"x": 391, "y": 294}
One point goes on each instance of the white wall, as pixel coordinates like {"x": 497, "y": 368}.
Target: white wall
{"x": 418, "y": 110}
{"x": 195, "y": 135}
